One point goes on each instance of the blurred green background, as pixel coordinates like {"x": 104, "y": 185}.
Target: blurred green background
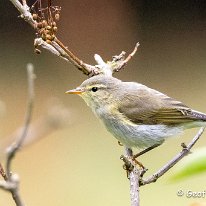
{"x": 79, "y": 164}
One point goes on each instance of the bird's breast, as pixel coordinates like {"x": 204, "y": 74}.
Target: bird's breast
{"x": 134, "y": 135}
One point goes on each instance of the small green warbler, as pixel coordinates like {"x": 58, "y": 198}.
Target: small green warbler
{"x": 135, "y": 114}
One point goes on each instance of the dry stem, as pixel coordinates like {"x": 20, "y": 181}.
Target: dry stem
{"x": 58, "y": 48}
{"x": 134, "y": 176}
{"x": 13, "y": 148}
{"x": 11, "y": 182}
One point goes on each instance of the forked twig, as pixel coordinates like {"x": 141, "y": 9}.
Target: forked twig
{"x": 185, "y": 151}
{"x": 123, "y": 62}
{"x": 11, "y": 181}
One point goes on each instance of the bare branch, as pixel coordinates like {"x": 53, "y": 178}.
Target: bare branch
{"x": 48, "y": 40}
{"x": 119, "y": 62}
{"x": 134, "y": 176}
{"x": 11, "y": 180}
{"x": 85, "y": 68}
{"x": 12, "y": 149}
{"x": 175, "y": 160}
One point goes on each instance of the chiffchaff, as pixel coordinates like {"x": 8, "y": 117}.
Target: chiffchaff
{"x": 135, "y": 114}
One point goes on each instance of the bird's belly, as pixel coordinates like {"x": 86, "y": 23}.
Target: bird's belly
{"x": 140, "y": 136}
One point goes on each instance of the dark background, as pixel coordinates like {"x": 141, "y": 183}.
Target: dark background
{"x": 79, "y": 165}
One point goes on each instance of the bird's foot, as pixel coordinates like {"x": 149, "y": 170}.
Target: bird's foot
{"x": 128, "y": 166}
{"x": 130, "y": 163}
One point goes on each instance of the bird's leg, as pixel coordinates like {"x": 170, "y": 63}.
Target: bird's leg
{"x": 141, "y": 153}
{"x": 138, "y": 163}
{"x": 128, "y": 166}
{"x": 145, "y": 150}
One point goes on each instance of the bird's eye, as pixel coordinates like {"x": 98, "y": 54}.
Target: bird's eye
{"x": 94, "y": 89}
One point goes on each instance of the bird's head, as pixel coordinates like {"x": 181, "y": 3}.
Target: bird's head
{"x": 97, "y": 91}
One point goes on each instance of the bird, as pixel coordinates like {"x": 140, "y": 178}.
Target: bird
{"x": 136, "y": 115}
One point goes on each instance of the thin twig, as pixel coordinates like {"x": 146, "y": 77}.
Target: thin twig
{"x": 13, "y": 148}
{"x": 175, "y": 160}
{"x": 86, "y": 69}
{"x": 119, "y": 62}
{"x": 134, "y": 176}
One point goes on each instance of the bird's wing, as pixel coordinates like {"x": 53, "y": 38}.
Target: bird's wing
{"x": 147, "y": 106}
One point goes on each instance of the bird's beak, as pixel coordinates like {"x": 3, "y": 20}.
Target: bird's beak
{"x": 78, "y": 90}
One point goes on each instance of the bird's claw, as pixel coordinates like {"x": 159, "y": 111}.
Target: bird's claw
{"x": 130, "y": 163}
